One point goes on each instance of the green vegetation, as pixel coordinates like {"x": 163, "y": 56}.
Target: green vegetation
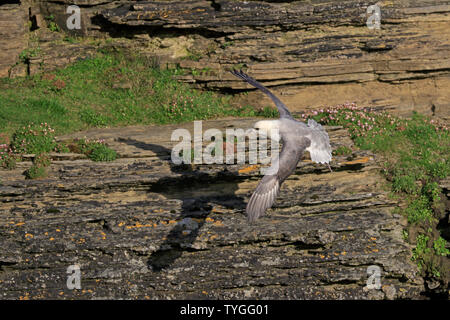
{"x": 42, "y": 160}
{"x": 7, "y": 157}
{"x": 421, "y": 250}
{"x": 26, "y": 54}
{"x": 193, "y": 55}
{"x": 419, "y": 210}
{"x": 268, "y": 112}
{"x": 93, "y": 118}
{"x": 96, "y": 150}
{"x": 70, "y": 39}
{"x": 416, "y": 157}
{"x": 36, "y": 172}
{"x": 109, "y": 89}
{"x": 34, "y": 138}
{"x": 51, "y": 24}
{"x": 39, "y": 169}
{"x": 342, "y": 151}
{"x": 226, "y": 44}
{"x": 439, "y": 247}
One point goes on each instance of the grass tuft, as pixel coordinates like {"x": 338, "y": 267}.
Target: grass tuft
{"x": 96, "y": 150}
{"x": 39, "y": 169}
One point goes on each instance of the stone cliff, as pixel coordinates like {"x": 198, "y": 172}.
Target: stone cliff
{"x": 140, "y": 227}
{"x": 313, "y": 53}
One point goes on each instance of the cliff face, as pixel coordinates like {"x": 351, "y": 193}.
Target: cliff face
{"x": 140, "y": 227}
{"x": 314, "y": 53}
{"x": 13, "y": 30}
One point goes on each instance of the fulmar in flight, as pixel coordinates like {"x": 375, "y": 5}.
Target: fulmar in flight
{"x": 296, "y": 137}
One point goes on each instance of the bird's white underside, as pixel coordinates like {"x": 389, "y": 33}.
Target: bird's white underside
{"x": 267, "y": 125}
{"x": 318, "y": 153}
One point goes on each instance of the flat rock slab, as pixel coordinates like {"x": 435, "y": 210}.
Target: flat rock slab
{"x": 142, "y": 228}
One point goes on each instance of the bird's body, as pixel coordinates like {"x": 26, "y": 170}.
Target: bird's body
{"x": 296, "y": 137}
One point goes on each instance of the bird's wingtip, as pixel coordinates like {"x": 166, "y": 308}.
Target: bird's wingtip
{"x": 239, "y": 73}
{"x": 252, "y": 215}
{"x": 251, "y": 219}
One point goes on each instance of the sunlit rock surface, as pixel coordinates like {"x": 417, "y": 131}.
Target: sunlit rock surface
{"x": 140, "y": 227}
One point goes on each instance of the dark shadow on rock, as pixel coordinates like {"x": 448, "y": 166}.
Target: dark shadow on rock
{"x": 194, "y": 210}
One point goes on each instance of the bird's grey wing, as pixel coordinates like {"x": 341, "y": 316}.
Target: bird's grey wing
{"x": 269, "y": 187}
{"x": 282, "y": 109}
{"x": 263, "y": 197}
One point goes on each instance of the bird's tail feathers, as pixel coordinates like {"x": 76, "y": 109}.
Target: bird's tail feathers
{"x": 320, "y": 156}
{"x": 320, "y": 148}
{"x": 314, "y": 125}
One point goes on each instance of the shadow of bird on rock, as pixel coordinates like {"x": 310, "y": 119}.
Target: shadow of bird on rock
{"x": 194, "y": 209}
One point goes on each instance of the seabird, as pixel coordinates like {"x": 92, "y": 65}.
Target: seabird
{"x": 296, "y": 137}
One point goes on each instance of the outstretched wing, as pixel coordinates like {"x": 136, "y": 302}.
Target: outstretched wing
{"x": 269, "y": 187}
{"x": 263, "y": 198}
{"x": 284, "y": 112}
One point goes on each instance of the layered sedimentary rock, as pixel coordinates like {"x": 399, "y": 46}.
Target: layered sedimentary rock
{"x": 13, "y": 40}
{"x": 141, "y": 227}
{"x": 314, "y": 53}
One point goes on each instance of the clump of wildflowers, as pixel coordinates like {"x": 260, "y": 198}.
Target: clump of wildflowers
{"x": 96, "y": 150}
{"x": 180, "y": 105}
{"x": 360, "y": 121}
{"x": 365, "y": 125}
{"x": 34, "y": 138}
{"x": 42, "y": 160}
{"x": 7, "y": 158}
